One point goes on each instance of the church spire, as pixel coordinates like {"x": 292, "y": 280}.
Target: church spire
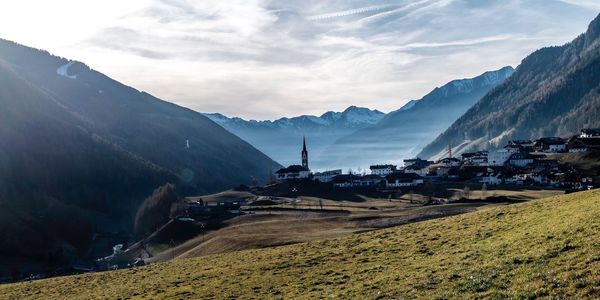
{"x": 304, "y": 153}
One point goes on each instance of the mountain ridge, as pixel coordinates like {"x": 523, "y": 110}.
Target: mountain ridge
{"x": 79, "y": 152}
{"x": 554, "y": 92}
{"x": 351, "y": 116}
{"x": 402, "y": 133}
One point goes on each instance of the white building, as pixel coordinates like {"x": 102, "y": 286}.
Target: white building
{"x": 520, "y": 159}
{"x": 419, "y": 170}
{"x": 499, "y": 157}
{"x": 449, "y": 162}
{"x": 399, "y": 180}
{"x": 326, "y": 176}
{"x": 382, "y": 170}
{"x": 590, "y": 132}
{"x": 292, "y": 172}
{"x": 557, "y": 148}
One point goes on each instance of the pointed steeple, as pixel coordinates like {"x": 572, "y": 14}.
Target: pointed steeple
{"x": 304, "y": 153}
{"x": 304, "y": 143}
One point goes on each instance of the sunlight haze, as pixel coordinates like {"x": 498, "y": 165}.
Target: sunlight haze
{"x": 285, "y": 58}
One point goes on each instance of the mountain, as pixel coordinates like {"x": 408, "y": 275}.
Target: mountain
{"x": 555, "y": 91}
{"x": 80, "y": 151}
{"x": 401, "y": 133}
{"x": 281, "y": 139}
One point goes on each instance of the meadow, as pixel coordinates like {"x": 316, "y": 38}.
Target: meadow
{"x": 542, "y": 248}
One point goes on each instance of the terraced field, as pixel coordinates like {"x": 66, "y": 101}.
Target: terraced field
{"x": 543, "y": 248}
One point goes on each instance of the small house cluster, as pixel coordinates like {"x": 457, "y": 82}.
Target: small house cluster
{"x": 519, "y": 162}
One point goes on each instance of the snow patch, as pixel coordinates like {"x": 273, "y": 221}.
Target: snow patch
{"x": 63, "y": 70}
{"x": 496, "y": 141}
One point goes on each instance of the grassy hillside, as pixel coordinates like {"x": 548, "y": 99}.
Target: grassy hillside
{"x": 541, "y": 248}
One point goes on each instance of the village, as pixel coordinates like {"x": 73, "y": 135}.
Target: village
{"x": 298, "y": 201}
{"x": 519, "y": 163}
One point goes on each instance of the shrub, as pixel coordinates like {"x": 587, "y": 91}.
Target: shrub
{"x": 155, "y": 210}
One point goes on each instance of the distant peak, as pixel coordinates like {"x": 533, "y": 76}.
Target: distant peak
{"x": 354, "y": 108}
{"x": 593, "y": 32}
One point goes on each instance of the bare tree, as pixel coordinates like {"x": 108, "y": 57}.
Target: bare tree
{"x": 466, "y": 192}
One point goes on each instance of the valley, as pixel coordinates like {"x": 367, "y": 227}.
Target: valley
{"x": 268, "y": 221}
{"x": 477, "y": 180}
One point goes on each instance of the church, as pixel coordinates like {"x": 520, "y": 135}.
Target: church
{"x": 296, "y": 171}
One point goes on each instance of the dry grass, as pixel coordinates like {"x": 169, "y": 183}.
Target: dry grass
{"x": 544, "y": 248}
{"x": 282, "y": 227}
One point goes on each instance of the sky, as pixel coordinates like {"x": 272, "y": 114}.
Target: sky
{"x": 265, "y": 59}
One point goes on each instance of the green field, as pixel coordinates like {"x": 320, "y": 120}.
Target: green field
{"x": 543, "y": 248}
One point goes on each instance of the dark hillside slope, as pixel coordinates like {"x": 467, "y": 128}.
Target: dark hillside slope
{"x": 151, "y": 128}
{"x": 57, "y": 179}
{"x": 554, "y": 92}
{"x": 80, "y": 151}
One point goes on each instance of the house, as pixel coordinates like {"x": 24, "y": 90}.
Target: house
{"x": 590, "y": 132}
{"x": 500, "y": 157}
{"x": 343, "y": 181}
{"x": 441, "y": 170}
{"x": 417, "y": 163}
{"x": 578, "y": 144}
{"x": 382, "y": 170}
{"x": 326, "y": 176}
{"x": 417, "y": 169}
{"x": 521, "y": 145}
{"x": 518, "y": 179}
{"x": 521, "y": 159}
{"x": 352, "y": 181}
{"x": 449, "y": 162}
{"x": 540, "y": 177}
{"x": 398, "y": 180}
{"x": 412, "y": 161}
{"x": 368, "y": 181}
{"x": 551, "y": 145}
{"x": 292, "y": 172}
{"x": 479, "y": 158}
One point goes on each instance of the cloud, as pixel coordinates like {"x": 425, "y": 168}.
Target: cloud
{"x": 589, "y": 4}
{"x": 268, "y": 59}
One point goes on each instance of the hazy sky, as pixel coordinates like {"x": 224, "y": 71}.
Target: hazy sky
{"x": 267, "y": 59}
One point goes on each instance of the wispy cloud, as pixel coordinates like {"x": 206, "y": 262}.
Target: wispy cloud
{"x": 268, "y": 58}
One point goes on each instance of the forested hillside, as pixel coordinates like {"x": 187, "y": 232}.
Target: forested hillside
{"x": 79, "y": 152}
{"x": 554, "y": 92}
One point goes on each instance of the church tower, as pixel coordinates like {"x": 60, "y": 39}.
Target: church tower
{"x": 304, "y": 154}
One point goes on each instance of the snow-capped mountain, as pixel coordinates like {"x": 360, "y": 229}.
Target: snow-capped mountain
{"x": 402, "y": 133}
{"x": 357, "y": 136}
{"x": 281, "y": 139}
{"x": 353, "y": 117}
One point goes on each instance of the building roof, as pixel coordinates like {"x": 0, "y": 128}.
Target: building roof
{"x": 370, "y": 177}
{"x": 521, "y": 155}
{"x": 593, "y": 142}
{"x": 343, "y": 178}
{"x": 413, "y": 159}
{"x": 379, "y": 167}
{"x": 551, "y": 141}
{"x": 400, "y": 176}
{"x": 449, "y": 159}
{"x": 329, "y": 172}
{"x": 292, "y": 169}
{"x": 591, "y": 131}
